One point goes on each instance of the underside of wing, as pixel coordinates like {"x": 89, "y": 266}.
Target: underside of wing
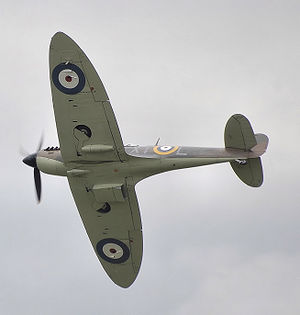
{"x": 86, "y": 125}
{"x": 111, "y": 217}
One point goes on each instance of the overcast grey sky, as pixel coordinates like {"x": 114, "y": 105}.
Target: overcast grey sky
{"x": 176, "y": 70}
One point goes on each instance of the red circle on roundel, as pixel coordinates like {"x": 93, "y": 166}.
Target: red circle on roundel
{"x": 112, "y": 250}
{"x": 68, "y": 78}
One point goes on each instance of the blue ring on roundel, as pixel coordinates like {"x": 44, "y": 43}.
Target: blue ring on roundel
{"x": 123, "y": 258}
{"x": 57, "y": 70}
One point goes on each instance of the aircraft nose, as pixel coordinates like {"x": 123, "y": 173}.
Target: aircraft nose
{"x": 30, "y": 160}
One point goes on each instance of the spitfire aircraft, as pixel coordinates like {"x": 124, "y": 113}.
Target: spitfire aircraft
{"x": 102, "y": 172}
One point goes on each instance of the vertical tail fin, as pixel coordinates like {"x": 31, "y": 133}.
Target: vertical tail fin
{"x": 239, "y": 135}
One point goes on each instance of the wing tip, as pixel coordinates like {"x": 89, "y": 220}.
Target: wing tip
{"x": 59, "y": 34}
{"x": 123, "y": 278}
{"x": 123, "y": 284}
{"x": 61, "y": 40}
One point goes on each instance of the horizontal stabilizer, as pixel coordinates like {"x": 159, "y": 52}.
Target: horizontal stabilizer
{"x": 239, "y": 133}
{"x": 250, "y": 173}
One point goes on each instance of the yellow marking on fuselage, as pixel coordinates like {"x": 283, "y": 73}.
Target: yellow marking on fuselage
{"x": 174, "y": 149}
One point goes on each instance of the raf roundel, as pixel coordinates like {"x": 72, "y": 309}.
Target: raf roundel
{"x": 68, "y": 78}
{"x": 165, "y": 149}
{"x": 113, "y": 250}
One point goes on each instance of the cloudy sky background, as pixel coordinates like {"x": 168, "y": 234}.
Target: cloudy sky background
{"x": 176, "y": 70}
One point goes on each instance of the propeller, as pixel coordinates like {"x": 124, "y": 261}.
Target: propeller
{"x": 30, "y": 160}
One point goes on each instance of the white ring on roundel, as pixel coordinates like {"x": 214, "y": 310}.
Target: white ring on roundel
{"x": 165, "y": 148}
{"x": 112, "y": 250}
{"x": 68, "y": 78}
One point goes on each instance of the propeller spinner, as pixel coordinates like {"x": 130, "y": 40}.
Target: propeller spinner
{"x": 30, "y": 160}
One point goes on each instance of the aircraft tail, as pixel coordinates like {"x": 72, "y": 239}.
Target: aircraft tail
{"x": 239, "y": 135}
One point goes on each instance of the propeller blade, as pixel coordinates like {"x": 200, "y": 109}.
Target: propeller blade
{"x": 30, "y": 160}
{"x": 40, "y": 143}
{"x": 38, "y": 184}
{"x": 23, "y": 152}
